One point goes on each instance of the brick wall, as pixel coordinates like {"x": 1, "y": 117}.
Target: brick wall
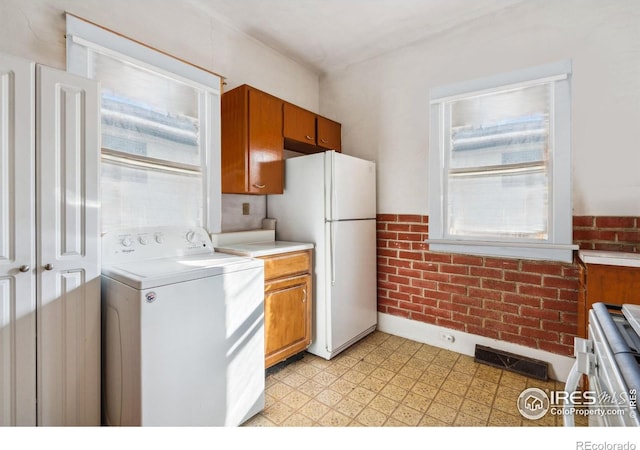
{"x": 533, "y": 303}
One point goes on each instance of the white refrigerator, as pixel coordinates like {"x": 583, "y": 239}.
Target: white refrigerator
{"x": 330, "y": 200}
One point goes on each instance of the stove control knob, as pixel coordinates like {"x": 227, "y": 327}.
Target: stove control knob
{"x": 159, "y": 238}
{"x": 192, "y": 236}
{"x": 127, "y": 242}
{"x": 143, "y": 240}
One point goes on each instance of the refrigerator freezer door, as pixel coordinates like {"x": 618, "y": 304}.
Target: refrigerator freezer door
{"x": 350, "y": 187}
{"x": 350, "y": 282}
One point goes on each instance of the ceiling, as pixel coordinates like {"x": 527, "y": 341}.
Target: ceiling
{"x": 326, "y": 35}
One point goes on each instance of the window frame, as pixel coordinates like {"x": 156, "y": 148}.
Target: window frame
{"x": 558, "y": 246}
{"x": 84, "y": 37}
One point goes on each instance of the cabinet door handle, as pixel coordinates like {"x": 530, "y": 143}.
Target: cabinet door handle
{"x": 48, "y": 267}
{"x": 260, "y": 186}
{"x": 304, "y": 295}
{"x": 24, "y": 268}
{"x": 324, "y": 141}
{"x": 309, "y": 137}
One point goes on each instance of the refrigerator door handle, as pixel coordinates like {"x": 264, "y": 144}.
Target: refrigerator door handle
{"x": 334, "y": 207}
{"x": 332, "y": 247}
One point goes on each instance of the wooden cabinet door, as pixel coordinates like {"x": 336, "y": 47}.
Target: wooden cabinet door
{"x": 329, "y": 134}
{"x": 287, "y": 318}
{"x": 266, "y": 168}
{"x": 299, "y": 124}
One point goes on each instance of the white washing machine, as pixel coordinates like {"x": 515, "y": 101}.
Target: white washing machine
{"x": 183, "y": 330}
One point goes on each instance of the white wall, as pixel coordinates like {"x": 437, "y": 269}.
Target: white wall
{"x": 383, "y": 102}
{"x": 35, "y": 29}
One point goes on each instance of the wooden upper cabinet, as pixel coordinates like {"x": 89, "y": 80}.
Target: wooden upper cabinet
{"x": 307, "y": 132}
{"x": 329, "y": 134}
{"x": 252, "y": 142}
{"x": 299, "y": 124}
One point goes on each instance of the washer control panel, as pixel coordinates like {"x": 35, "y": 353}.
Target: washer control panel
{"x": 154, "y": 242}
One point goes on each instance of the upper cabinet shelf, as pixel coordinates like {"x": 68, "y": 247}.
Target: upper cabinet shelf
{"x": 256, "y": 128}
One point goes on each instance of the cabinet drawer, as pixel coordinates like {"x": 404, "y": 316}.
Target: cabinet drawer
{"x": 286, "y": 264}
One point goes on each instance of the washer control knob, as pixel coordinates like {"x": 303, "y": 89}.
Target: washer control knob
{"x": 127, "y": 242}
{"x": 143, "y": 240}
{"x": 159, "y": 238}
{"x": 192, "y": 236}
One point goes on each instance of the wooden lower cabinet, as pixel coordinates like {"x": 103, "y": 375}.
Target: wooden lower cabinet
{"x": 287, "y": 305}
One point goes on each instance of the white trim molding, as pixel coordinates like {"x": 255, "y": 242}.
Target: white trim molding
{"x": 465, "y": 343}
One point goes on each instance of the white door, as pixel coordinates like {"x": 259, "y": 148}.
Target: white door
{"x": 351, "y": 281}
{"x": 67, "y": 150}
{"x": 17, "y": 248}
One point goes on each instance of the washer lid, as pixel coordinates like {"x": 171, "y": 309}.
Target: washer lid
{"x": 160, "y": 272}
{"x": 632, "y": 313}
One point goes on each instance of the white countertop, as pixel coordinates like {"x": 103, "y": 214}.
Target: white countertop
{"x": 255, "y": 249}
{"x": 610, "y": 258}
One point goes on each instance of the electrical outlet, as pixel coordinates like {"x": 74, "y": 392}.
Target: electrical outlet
{"x": 447, "y": 337}
{"x": 245, "y": 209}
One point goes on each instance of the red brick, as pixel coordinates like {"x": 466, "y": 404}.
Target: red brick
{"x": 615, "y": 222}
{"x": 583, "y": 221}
{"x": 409, "y": 218}
{"x": 518, "y": 339}
{"x": 485, "y": 272}
{"x": 558, "y": 305}
{"x": 399, "y": 280}
{"x": 387, "y": 269}
{"x": 399, "y": 245}
{"x": 408, "y": 306}
{"x": 450, "y": 324}
{"x": 451, "y": 306}
{"x": 465, "y": 280}
{"x": 527, "y": 311}
{"x": 521, "y": 300}
{"x": 434, "y": 276}
{"x": 381, "y": 243}
{"x": 382, "y": 261}
{"x": 425, "y": 219}
{"x": 437, "y": 312}
{"x": 465, "y": 300}
{"x": 388, "y": 252}
{"x": 562, "y": 283}
{"x": 522, "y": 277}
{"x": 410, "y": 290}
{"x": 570, "y": 272}
{"x": 438, "y": 257}
{"x": 571, "y": 296}
{"x": 450, "y": 268}
{"x": 452, "y": 288}
{"x": 436, "y": 295}
{"x": 430, "y": 267}
{"x": 420, "y": 246}
{"x": 424, "y": 284}
{"x": 467, "y": 260}
{"x": 419, "y": 228}
{"x": 466, "y": 319}
{"x": 423, "y": 318}
{"x": 542, "y": 268}
{"x": 409, "y": 237}
{"x": 485, "y": 294}
{"x": 517, "y": 319}
{"x": 400, "y": 296}
{"x": 387, "y": 217}
{"x": 411, "y": 255}
{"x": 386, "y": 235}
{"x": 504, "y": 286}
{"x": 397, "y": 312}
{"x": 387, "y": 302}
{"x": 382, "y": 309}
{"x": 501, "y": 326}
{"x": 569, "y": 318}
{"x": 538, "y": 291}
{"x": 400, "y": 263}
{"x": 629, "y": 236}
{"x": 398, "y": 227}
{"x": 484, "y": 313}
{"x": 499, "y": 306}
{"x": 505, "y": 264}
{"x": 382, "y": 276}
{"x": 387, "y": 285}
{"x": 409, "y": 273}
{"x": 381, "y": 226}
{"x": 424, "y": 301}
{"x": 594, "y": 235}
{"x": 559, "y": 327}
{"x": 550, "y": 336}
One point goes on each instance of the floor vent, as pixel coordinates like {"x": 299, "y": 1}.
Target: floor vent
{"x": 514, "y": 363}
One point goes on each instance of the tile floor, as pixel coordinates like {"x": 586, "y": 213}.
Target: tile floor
{"x": 386, "y": 380}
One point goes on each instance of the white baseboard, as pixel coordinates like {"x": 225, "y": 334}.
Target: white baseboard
{"x": 465, "y": 343}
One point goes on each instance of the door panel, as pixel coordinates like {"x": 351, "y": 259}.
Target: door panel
{"x": 17, "y": 246}
{"x": 352, "y": 303}
{"x": 265, "y": 144}
{"x": 352, "y": 185}
{"x": 68, "y": 251}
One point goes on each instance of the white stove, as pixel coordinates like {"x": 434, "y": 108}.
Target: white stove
{"x": 183, "y": 330}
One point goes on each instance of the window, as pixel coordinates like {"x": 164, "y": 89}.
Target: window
{"x": 160, "y": 131}
{"x": 500, "y": 165}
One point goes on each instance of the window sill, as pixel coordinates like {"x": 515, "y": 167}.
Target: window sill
{"x": 520, "y": 250}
